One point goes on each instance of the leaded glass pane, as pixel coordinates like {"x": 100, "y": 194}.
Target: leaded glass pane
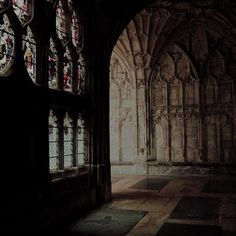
{"x": 22, "y": 9}
{"x": 29, "y": 49}
{"x": 61, "y": 22}
{"x": 68, "y": 142}
{"x": 81, "y": 75}
{"x": 75, "y": 30}
{"x": 53, "y": 132}
{"x": 52, "y": 66}
{"x": 7, "y": 45}
{"x": 67, "y": 70}
{"x": 81, "y": 141}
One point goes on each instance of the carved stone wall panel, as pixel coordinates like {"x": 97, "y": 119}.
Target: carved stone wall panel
{"x": 160, "y": 95}
{"x": 189, "y": 94}
{"x": 182, "y": 63}
{"x": 217, "y": 65}
{"x": 210, "y": 92}
{"x": 126, "y": 97}
{"x": 192, "y": 93}
{"x": 192, "y": 140}
{"x": 175, "y": 96}
{"x": 211, "y": 142}
{"x": 141, "y": 96}
{"x": 199, "y": 45}
{"x": 167, "y": 67}
{"x": 177, "y": 136}
{"x": 226, "y": 95}
{"x": 227, "y": 141}
{"x": 128, "y": 152}
{"x": 160, "y": 137}
{"x": 123, "y": 134}
{"x": 141, "y": 129}
{"x": 114, "y": 141}
{"x": 114, "y": 98}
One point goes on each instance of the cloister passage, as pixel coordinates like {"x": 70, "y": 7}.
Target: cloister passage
{"x": 172, "y": 99}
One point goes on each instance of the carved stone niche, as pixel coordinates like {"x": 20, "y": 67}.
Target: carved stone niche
{"x": 177, "y": 136}
{"x": 211, "y": 135}
{"x": 227, "y": 140}
{"x": 226, "y": 92}
{"x": 175, "y": 92}
{"x": 167, "y": 70}
{"x": 210, "y": 90}
{"x": 217, "y": 65}
{"x": 160, "y": 139}
{"x": 192, "y": 93}
{"x": 159, "y": 91}
{"x": 192, "y": 139}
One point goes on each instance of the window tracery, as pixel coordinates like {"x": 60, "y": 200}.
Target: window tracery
{"x": 65, "y": 70}
{"x": 68, "y": 129}
{"x": 69, "y": 32}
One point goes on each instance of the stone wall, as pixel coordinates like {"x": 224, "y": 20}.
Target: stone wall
{"x": 172, "y": 89}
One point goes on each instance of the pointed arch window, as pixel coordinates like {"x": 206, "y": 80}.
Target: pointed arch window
{"x": 65, "y": 70}
{"x": 68, "y": 129}
{"x": 69, "y": 34}
{"x": 23, "y": 10}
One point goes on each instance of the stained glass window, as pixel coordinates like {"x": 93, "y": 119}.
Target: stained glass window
{"x": 82, "y": 74}
{"x": 23, "y": 10}
{"x": 29, "y": 49}
{"x": 81, "y": 141}
{"x": 75, "y": 30}
{"x": 52, "y": 66}
{"x": 67, "y": 70}
{"x": 68, "y": 142}
{"x": 53, "y": 131}
{"x": 7, "y": 44}
{"x": 61, "y": 22}
{"x": 68, "y": 30}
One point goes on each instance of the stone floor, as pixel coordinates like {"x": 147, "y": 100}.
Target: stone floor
{"x": 174, "y": 205}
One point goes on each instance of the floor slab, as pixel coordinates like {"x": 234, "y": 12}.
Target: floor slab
{"x": 197, "y": 208}
{"x": 220, "y": 186}
{"x": 151, "y": 184}
{"x": 169, "y": 229}
{"x": 107, "y": 221}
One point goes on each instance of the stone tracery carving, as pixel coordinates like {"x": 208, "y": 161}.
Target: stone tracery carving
{"x": 192, "y": 88}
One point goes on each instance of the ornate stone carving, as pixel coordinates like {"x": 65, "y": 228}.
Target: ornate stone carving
{"x": 185, "y": 51}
